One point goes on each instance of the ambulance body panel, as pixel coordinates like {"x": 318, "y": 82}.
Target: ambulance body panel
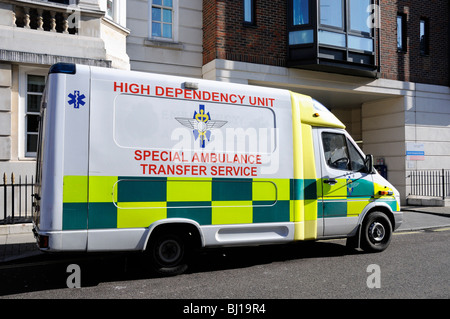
{"x": 125, "y": 155}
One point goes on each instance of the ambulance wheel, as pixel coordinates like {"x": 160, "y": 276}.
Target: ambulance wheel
{"x": 376, "y": 232}
{"x": 168, "y": 254}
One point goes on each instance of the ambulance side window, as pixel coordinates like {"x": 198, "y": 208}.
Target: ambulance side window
{"x": 335, "y": 149}
{"x": 340, "y": 153}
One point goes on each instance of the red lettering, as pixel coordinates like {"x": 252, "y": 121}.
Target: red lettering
{"x": 164, "y": 156}
{"x": 188, "y": 94}
{"x": 178, "y": 92}
{"x": 145, "y": 89}
{"x": 118, "y": 86}
{"x": 134, "y": 88}
{"x": 138, "y": 155}
{"x": 206, "y": 95}
{"x": 152, "y": 169}
{"x": 159, "y": 91}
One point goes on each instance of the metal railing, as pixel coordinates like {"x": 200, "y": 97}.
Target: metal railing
{"x": 430, "y": 183}
{"x": 16, "y": 205}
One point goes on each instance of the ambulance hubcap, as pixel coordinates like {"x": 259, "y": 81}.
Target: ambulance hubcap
{"x": 377, "y": 232}
{"x": 169, "y": 251}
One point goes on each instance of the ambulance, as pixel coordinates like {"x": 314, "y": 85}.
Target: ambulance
{"x": 131, "y": 161}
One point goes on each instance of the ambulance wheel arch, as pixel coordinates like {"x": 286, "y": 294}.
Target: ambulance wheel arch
{"x": 170, "y": 245}
{"x": 376, "y": 229}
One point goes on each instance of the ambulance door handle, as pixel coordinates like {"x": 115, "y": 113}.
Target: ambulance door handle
{"x": 330, "y": 181}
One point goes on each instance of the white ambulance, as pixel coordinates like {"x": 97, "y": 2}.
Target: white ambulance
{"x": 165, "y": 165}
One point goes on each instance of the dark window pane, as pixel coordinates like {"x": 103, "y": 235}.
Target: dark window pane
{"x": 32, "y": 142}
{"x": 301, "y": 12}
{"x": 424, "y": 37}
{"x": 32, "y": 123}
{"x": 35, "y": 83}
{"x": 33, "y": 103}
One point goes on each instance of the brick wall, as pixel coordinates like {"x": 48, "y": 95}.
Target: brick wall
{"x": 225, "y": 36}
{"x": 411, "y": 65}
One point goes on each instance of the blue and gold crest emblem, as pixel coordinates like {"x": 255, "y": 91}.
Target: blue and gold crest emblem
{"x": 201, "y": 125}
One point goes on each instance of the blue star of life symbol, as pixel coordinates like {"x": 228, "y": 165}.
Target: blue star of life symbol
{"x": 201, "y": 125}
{"x": 76, "y": 99}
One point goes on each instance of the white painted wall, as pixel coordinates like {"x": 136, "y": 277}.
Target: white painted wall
{"x": 183, "y": 57}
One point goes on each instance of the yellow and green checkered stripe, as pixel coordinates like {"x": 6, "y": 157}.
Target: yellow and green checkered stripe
{"x": 126, "y": 202}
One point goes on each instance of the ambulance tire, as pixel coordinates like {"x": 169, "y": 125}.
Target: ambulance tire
{"x": 168, "y": 254}
{"x": 376, "y": 232}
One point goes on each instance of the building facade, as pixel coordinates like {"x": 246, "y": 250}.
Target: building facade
{"x": 382, "y": 67}
{"x": 33, "y": 36}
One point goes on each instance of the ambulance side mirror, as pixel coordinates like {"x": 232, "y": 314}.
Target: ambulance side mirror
{"x": 369, "y": 164}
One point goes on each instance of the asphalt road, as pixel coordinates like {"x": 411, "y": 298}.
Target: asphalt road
{"x": 416, "y": 265}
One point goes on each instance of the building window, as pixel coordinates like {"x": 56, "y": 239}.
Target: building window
{"x": 359, "y": 14}
{"x": 35, "y": 86}
{"x": 300, "y": 25}
{"x": 249, "y": 12}
{"x": 424, "y": 37}
{"x": 163, "y": 20}
{"x": 401, "y": 32}
{"x": 300, "y": 12}
{"x": 345, "y": 24}
{"x": 110, "y": 9}
{"x": 331, "y": 13}
{"x": 334, "y": 35}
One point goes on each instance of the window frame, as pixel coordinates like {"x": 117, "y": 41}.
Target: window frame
{"x": 252, "y": 21}
{"x": 175, "y": 22}
{"x": 426, "y": 23}
{"x": 345, "y": 30}
{"x": 330, "y": 27}
{"x": 403, "y": 35}
{"x": 23, "y": 133}
{"x": 302, "y": 28}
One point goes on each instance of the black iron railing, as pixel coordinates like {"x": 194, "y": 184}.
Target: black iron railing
{"x": 430, "y": 183}
{"x": 15, "y": 199}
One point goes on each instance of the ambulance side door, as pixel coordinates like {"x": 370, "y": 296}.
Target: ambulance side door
{"x": 346, "y": 185}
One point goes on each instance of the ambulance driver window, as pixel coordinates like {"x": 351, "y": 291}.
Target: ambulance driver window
{"x": 335, "y": 149}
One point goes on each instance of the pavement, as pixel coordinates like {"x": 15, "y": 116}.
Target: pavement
{"x": 17, "y": 241}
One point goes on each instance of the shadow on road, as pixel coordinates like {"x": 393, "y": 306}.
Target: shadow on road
{"x": 50, "y": 271}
